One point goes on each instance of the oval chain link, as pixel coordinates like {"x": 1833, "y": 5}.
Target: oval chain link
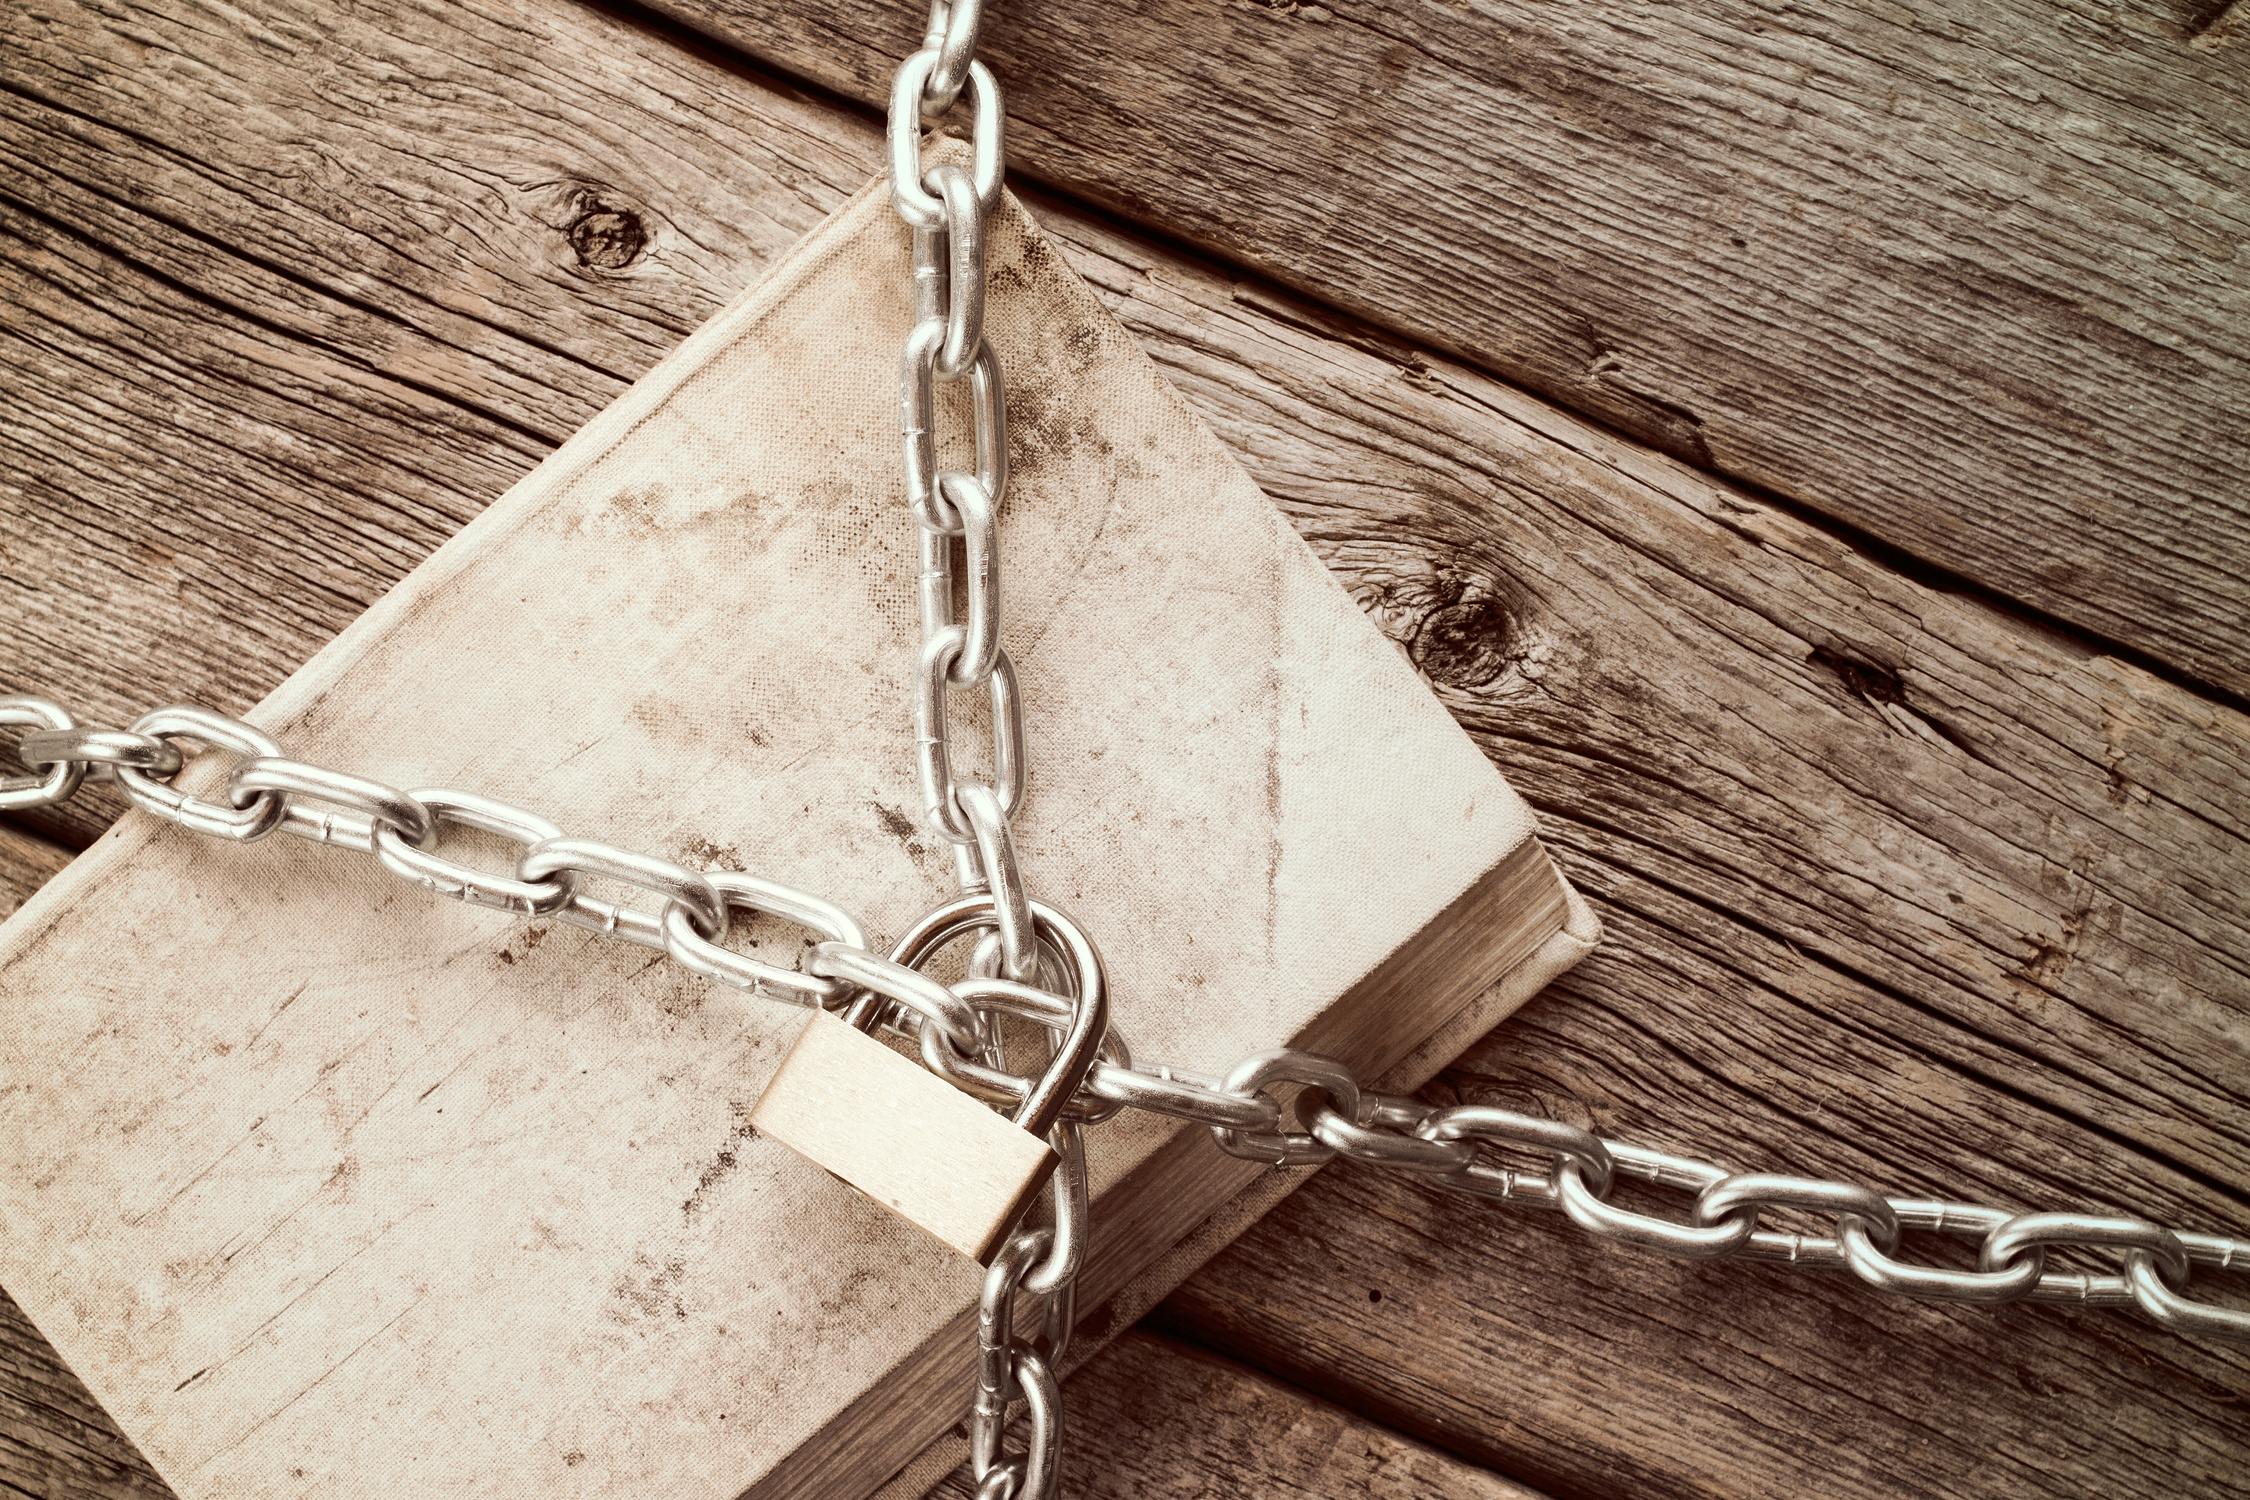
{"x": 57, "y": 780}
{"x": 252, "y": 821}
{"x": 101, "y": 750}
{"x": 441, "y": 876}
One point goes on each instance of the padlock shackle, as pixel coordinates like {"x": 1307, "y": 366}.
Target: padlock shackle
{"x": 1045, "y": 1101}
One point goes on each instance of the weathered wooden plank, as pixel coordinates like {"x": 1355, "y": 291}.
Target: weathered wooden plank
{"x": 192, "y": 496}
{"x": 1513, "y": 1341}
{"x": 1737, "y": 727}
{"x": 27, "y": 862}
{"x": 1151, "y": 1419}
{"x": 1864, "y": 852}
{"x": 1974, "y": 281}
{"x": 176, "y": 232}
{"x": 56, "y": 1442}
{"x": 1886, "y": 878}
{"x": 2022, "y": 852}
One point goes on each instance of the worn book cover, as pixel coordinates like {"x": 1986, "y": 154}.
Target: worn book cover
{"x": 327, "y": 1187}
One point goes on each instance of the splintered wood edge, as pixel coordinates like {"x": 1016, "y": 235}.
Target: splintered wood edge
{"x": 903, "y": 1136}
{"x": 1499, "y": 923}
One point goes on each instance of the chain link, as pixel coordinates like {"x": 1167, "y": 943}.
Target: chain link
{"x": 1575, "y": 1175}
{"x": 244, "y": 823}
{"x": 100, "y": 751}
{"x": 57, "y": 780}
{"x": 952, "y": 34}
{"x": 440, "y": 876}
{"x": 945, "y": 206}
{"x": 366, "y": 805}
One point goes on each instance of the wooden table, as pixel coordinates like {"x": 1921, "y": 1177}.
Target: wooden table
{"x": 1803, "y": 445}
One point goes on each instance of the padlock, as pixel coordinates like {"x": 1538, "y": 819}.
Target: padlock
{"x": 906, "y": 1137}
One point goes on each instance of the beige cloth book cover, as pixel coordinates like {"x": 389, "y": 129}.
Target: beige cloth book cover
{"x": 326, "y": 1187}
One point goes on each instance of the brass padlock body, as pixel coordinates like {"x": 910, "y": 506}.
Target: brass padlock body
{"x": 903, "y": 1136}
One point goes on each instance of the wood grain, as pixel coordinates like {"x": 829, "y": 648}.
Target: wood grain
{"x": 1591, "y": 1371}
{"x": 56, "y": 1442}
{"x": 224, "y": 334}
{"x": 2001, "y": 844}
{"x": 1974, "y": 281}
{"x": 27, "y": 862}
{"x": 1151, "y": 1419}
{"x": 1899, "y": 886}
{"x": 1877, "y": 867}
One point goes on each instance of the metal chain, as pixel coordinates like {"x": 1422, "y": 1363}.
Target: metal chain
{"x": 956, "y": 514}
{"x": 1570, "y": 1169}
{"x": 1031, "y": 961}
{"x": 1577, "y": 1169}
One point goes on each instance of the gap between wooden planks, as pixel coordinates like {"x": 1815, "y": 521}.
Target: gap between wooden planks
{"x": 1898, "y": 887}
{"x": 1974, "y": 279}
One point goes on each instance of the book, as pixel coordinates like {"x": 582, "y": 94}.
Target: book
{"x": 323, "y": 1185}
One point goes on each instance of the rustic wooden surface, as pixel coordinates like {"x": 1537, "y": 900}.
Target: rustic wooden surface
{"x": 1973, "y": 278}
{"x": 1151, "y": 1419}
{"x": 1899, "y": 883}
{"x": 56, "y": 1442}
{"x": 26, "y": 863}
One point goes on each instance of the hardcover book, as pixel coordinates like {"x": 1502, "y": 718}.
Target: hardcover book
{"x": 326, "y": 1187}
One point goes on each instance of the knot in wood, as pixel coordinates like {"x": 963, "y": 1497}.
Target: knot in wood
{"x": 606, "y": 237}
{"x": 1466, "y": 644}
